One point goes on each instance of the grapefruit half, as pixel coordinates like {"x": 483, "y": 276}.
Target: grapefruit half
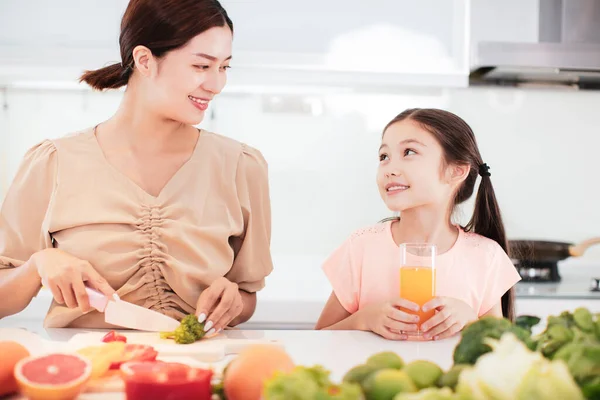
{"x": 53, "y": 376}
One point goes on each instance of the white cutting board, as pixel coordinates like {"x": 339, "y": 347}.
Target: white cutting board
{"x": 212, "y": 349}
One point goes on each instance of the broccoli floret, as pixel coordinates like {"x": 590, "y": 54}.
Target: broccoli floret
{"x": 472, "y": 346}
{"x": 187, "y": 332}
{"x": 527, "y": 321}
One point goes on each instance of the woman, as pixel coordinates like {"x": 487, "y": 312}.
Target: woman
{"x": 174, "y": 218}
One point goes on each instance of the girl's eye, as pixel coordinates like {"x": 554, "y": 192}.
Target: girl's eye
{"x": 382, "y": 157}
{"x": 408, "y": 152}
{"x": 225, "y": 67}
{"x": 202, "y": 67}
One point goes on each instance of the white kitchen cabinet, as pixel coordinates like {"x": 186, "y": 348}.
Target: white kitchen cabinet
{"x": 378, "y": 44}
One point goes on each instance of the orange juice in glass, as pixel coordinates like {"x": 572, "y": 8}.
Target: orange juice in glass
{"x": 417, "y": 278}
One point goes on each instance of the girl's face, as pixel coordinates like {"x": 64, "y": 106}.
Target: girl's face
{"x": 180, "y": 85}
{"x": 411, "y": 169}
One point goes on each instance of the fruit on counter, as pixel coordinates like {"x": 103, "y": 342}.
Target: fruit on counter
{"x": 135, "y": 352}
{"x": 385, "y": 384}
{"x": 423, "y": 373}
{"x": 12, "y": 353}
{"x": 57, "y": 376}
{"x": 103, "y": 356}
{"x": 513, "y": 371}
{"x": 245, "y": 376}
{"x": 386, "y": 359}
{"x": 309, "y": 383}
{"x": 473, "y": 345}
{"x": 450, "y": 378}
{"x": 163, "y": 380}
{"x": 189, "y": 331}
{"x": 431, "y": 394}
{"x": 113, "y": 336}
{"x": 359, "y": 373}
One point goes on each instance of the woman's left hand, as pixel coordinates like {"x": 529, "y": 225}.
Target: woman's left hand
{"x": 451, "y": 317}
{"x": 219, "y": 304}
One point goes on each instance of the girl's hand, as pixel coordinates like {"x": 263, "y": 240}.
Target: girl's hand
{"x": 388, "y": 321}
{"x": 221, "y": 302}
{"x": 451, "y": 317}
{"x": 66, "y": 276}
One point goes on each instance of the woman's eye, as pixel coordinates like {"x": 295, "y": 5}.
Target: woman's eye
{"x": 408, "y": 152}
{"x": 202, "y": 67}
{"x": 225, "y": 67}
{"x": 382, "y": 157}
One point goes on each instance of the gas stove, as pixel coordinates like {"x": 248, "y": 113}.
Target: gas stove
{"x": 537, "y": 271}
{"x": 544, "y": 279}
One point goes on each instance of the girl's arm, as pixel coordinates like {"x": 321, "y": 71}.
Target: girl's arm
{"x": 495, "y": 311}
{"x": 335, "y": 317}
{"x": 386, "y": 319}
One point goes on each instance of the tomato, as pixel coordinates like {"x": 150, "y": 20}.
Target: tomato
{"x": 162, "y": 380}
{"x": 135, "y": 352}
{"x": 113, "y": 336}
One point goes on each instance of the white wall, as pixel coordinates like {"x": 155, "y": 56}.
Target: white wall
{"x": 542, "y": 147}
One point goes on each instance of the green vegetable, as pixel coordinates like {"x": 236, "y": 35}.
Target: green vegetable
{"x": 309, "y": 384}
{"x": 527, "y": 321}
{"x": 554, "y": 338}
{"x": 450, "y": 378}
{"x": 573, "y": 338}
{"x": 513, "y": 371}
{"x": 591, "y": 389}
{"x": 548, "y": 380}
{"x": 429, "y": 394}
{"x": 583, "y": 319}
{"x": 472, "y": 344}
{"x": 189, "y": 331}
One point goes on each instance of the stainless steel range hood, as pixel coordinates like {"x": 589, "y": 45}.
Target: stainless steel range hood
{"x": 566, "y": 55}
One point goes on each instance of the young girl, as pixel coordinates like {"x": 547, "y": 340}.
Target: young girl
{"x": 429, "y": 164}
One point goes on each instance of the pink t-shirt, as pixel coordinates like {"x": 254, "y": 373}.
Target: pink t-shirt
{"x": 365, "y": 270}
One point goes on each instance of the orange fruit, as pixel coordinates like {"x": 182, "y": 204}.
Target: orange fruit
{"x": 12, "y": 353}
{"x": 245, "y": 376}
{"x": 102, "y": 356}
{"x": 56, "y": 376}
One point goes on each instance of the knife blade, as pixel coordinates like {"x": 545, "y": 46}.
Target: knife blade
{"x": 128, "y": 315}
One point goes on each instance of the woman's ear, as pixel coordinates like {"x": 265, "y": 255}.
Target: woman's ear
{"x": 144, "y": 60}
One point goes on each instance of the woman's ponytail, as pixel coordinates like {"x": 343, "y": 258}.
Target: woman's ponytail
{"x": 111, "y": 77}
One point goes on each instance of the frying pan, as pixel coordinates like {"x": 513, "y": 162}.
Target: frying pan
{"x": 547, "y": 251}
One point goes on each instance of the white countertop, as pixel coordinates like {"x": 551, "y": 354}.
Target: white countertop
{"x": 294, "y": 299}
{"x": 338, "y": 351}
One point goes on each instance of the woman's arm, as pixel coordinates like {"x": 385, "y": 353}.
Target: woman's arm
{"x": 249, "y": 302}
{"x": 18, "y": 286}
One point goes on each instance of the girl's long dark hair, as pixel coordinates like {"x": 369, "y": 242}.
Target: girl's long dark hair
{"x": 460, "y": 147}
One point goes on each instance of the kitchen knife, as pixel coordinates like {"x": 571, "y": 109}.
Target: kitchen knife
{"x": 121, "y": 313}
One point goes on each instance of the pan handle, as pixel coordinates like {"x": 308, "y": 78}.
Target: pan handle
{"x": 580, "y": 248}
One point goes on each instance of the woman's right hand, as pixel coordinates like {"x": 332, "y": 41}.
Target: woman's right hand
{"x": 66, "y": 276}
{"x": 388, "y": 321}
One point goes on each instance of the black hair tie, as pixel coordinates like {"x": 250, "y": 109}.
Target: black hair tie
{"x": 484, "y": 170}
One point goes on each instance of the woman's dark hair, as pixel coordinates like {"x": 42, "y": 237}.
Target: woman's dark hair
{"x": 460, "y": 147}
{"x": 161, "y": 26}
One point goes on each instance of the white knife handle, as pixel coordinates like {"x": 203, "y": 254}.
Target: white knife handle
{"x": 97, "y": 299}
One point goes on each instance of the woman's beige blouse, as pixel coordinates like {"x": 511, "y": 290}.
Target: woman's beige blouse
{"x": 212, "y": 219}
